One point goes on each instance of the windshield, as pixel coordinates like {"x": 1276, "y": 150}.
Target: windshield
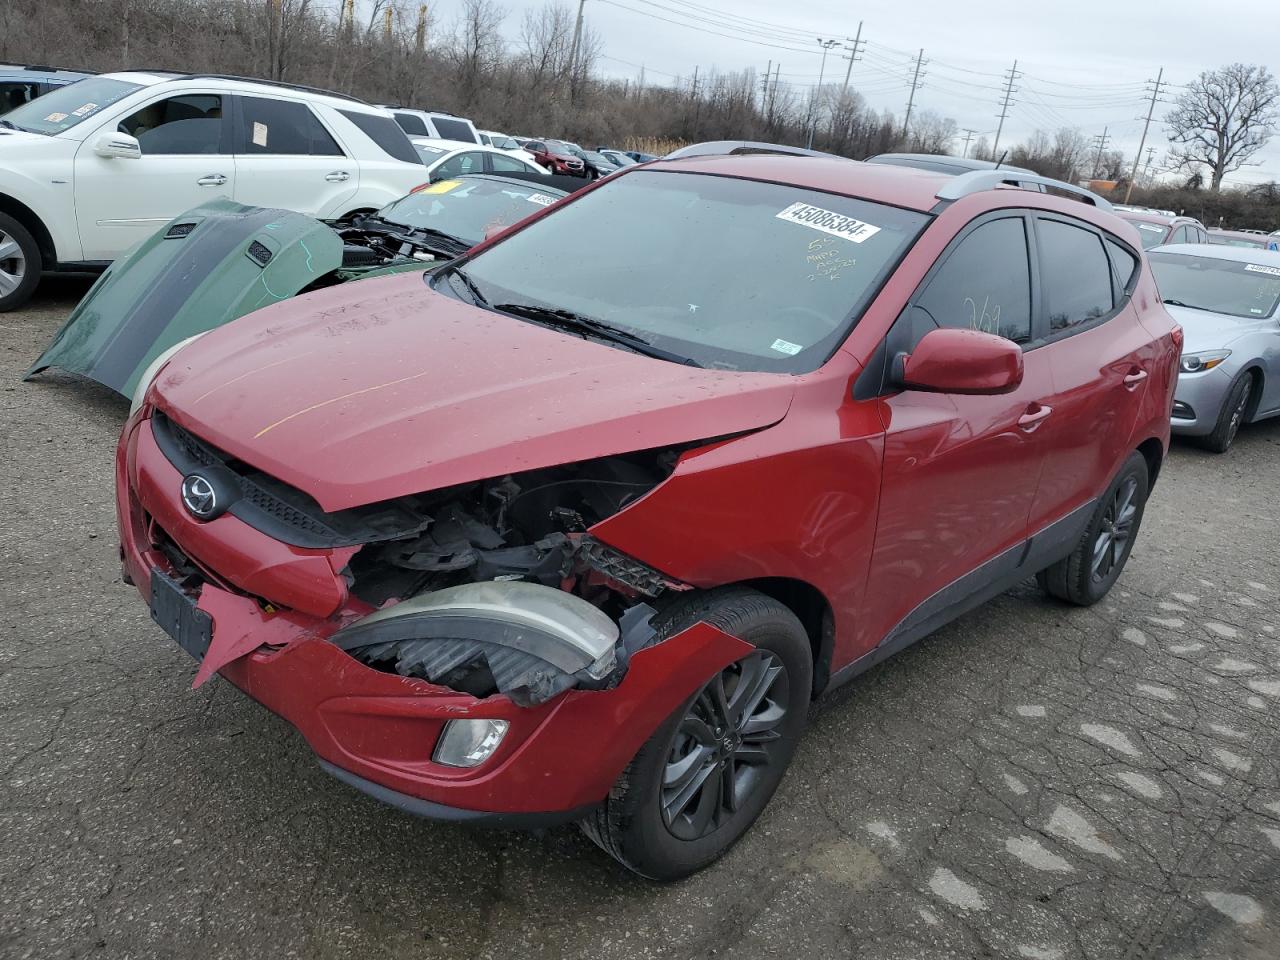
{"x": 468, "y": 209}
{"x": 1151, "y": 234}
{"x": 1223, "y": 286}
{"x": 730, "y": 273}
{"x": 63, "y": 108}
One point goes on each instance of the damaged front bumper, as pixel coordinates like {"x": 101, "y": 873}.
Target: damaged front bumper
{"x": 378, "y": 730}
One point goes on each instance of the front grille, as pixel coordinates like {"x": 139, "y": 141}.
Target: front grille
{"x": 282, "y": 511}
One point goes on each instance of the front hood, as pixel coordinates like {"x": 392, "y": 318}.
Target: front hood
{"x": 1204, "y": 330}
{"x": 20, "y": 145}
{"x": 379, "y": 389}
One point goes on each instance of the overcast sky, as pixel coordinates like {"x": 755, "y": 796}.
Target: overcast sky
{"x": 1085, "y": 65}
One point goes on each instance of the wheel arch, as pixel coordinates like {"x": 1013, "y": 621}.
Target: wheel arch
{"x": 1152, "y": 451}
{"x": 813, "y": 609}
{"x": 31, "y": 220}
{"x": 1254, "y": 369}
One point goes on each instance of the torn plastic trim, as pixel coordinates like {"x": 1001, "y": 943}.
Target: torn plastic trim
{"x": 534, "y": 641}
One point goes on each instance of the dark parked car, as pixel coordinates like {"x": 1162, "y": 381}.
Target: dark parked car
{"x": 556, "y": 156}
{"x": 596, "y": 164}
{"x": 540, "y": 538}
{"x": 639, "y": 156}
{"x": 616, "y": 157}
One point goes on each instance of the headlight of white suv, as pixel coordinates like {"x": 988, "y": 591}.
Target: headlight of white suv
{"x": 1204, "y": 360}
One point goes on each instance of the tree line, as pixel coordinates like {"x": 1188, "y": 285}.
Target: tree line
{"x": 398, "y": 52}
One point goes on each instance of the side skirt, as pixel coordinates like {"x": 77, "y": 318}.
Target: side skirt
{"x": 989, "y": 580}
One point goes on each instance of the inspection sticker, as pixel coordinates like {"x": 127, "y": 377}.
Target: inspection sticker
{"x": 86, "y": 109}
{"x": 55, "y": 118}
{"x": 1258, "y": 268}
{"x": 259, "y": 134}
{"x": 828, "y": 221}
{"x": 787, "y": 347}
{"x": 541, "y": 199}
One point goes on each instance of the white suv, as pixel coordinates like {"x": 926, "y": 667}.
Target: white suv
{"x": 91, "y": 169}
{"x": 435, "y": 125}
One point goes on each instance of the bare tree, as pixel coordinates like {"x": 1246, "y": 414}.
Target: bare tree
{"x": 1223, "y": 119}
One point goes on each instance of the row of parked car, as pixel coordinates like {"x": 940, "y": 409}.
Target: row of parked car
{"x": 502, "y": 526}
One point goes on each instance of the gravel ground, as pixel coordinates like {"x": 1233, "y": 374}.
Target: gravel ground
{"x": 1032, "y": 782}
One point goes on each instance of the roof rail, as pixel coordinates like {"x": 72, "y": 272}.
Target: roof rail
{"x": 259, "y": 80}
{"x": 725, "y": 148}
{"x": 977, "y": 181}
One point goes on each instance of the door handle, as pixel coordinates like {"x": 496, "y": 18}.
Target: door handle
{"x": 1033, "y": 417}
{"x": 1132, "y": 380}
{"x": 212, "y": 180}
{"x": 338, "y": 176}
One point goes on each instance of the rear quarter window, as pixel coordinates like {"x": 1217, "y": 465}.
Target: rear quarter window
{"x": 386, "y": 135}
{"x": 454, "y": 129}
{"x": 412, "y": 125}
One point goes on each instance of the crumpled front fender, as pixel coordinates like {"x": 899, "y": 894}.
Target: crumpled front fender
{"x": 203, "y": 269}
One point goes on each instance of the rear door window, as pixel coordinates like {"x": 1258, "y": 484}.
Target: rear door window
{"x": 983, "y": 284}
{"x": 1076, "y": 274}
{"x": 502, "y": 164}
{"x": 451, "y": 129}
{"x": 189, "y": 124}
{"x": 279, "y": 127}
{"x": 460, "y": 164}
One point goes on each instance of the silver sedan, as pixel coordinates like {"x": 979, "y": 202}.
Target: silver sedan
{"x": 1227, "y": 300}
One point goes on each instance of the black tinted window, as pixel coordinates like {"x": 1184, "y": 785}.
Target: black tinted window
{"x": 386, "y": 133}
{"x": 984, "y": 284}
{"x": 454, "y": 129}
{"x": 1123, "y": 264}
{"x": 16, "y": 94}
{"x": 189, "y": 124}
{"x": 412, "y": 125}
{"x": 1076, "y": 272}
{"x": 282, "y": 127}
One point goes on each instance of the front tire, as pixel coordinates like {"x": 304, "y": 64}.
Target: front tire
{"x": 1085, "y": 577}
{"x": 1232, "y": 415}
{"x": 20, "y": 264}
{"x": 709, "y": 770}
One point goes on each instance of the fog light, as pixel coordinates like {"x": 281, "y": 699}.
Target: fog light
{"x": 468, "y": 743}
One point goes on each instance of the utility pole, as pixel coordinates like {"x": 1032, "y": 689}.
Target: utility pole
{"x": 911, "y": 98}
{"x": 1009, "y": 91}
{"x": 1102, "y": 145}
{"x": 855, "y": 53}
{"x": 697, "y": 103}
{"x": 1155, "y": 94}
{"x": 968, "y": 137}
{"x": 577, "y": 38}
{"x": 1146, "y": 171}
{"x": 764, "y": 87}
{"x": 813, "y": 94}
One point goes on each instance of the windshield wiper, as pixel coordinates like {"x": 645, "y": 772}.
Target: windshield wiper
{"x": 445, "y": 243}
{"x": 8, "y": 123}
{"x": 568, "y": 320}
{"x": 1189, "y": 306}
{"x": 477, "y": 297}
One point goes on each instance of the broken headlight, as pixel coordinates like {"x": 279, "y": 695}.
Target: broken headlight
{"x": 526, "y": 640}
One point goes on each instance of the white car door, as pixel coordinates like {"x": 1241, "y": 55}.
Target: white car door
{"x": 286, "y": 157}
{"x": 186, "y": 161}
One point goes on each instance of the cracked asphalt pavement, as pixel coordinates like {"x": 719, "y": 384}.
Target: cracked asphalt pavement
{"x": 1034, "y": 781}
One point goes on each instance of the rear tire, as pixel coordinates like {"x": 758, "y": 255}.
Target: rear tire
{"x": 20, "y": 264}
{"x": 696, "y": 786}
{"x": 1085, "y": 577}
{"x": 1232, "y": 415}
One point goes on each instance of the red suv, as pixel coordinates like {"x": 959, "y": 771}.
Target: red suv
{"x": 557, "y": 157}
{"x": 536, "y": 539}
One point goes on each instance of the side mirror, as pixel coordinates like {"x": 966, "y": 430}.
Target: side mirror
{"x": 963, "y": 361}
{"x": 118, "y": 146}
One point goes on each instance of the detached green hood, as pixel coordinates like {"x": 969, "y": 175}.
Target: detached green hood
{"x": 205, "y": 268}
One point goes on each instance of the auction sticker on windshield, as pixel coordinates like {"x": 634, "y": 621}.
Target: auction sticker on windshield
{"x": 828, "y": 221}
{"x": 541, "y": 199}
{"x": 1258, "y": 268}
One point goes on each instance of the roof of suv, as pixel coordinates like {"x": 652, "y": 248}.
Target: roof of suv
{"x": 38, "y": 72}
{"x": 942, "y": 163}
{"x": 1267, "y": 258}
{"x": 1163, "y": 219}
{"x": 339, "y": 101}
